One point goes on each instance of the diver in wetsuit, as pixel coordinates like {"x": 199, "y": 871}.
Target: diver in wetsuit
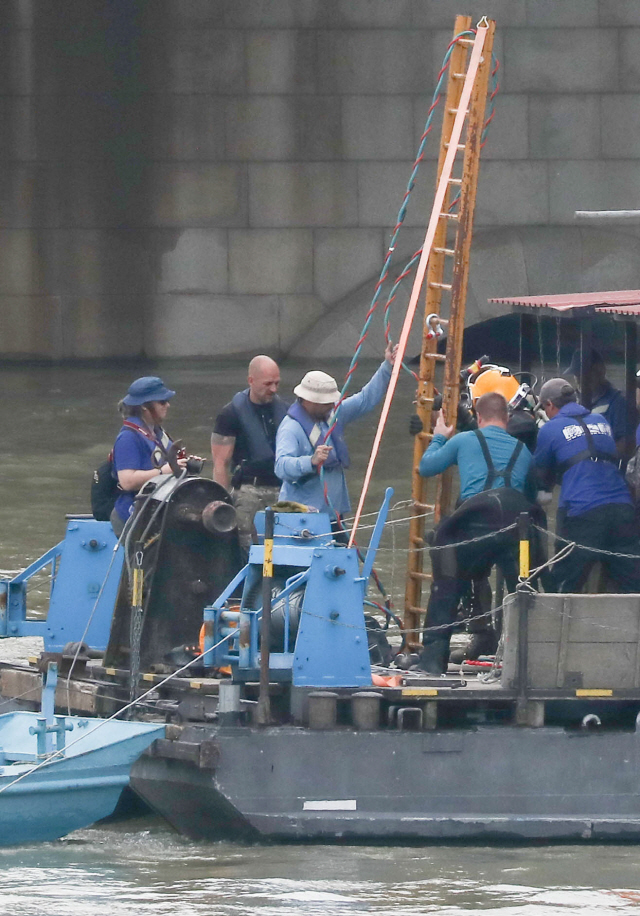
{"x": 496, "y": 485}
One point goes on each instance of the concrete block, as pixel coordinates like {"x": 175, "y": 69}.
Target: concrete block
{"x": 264, "y": 261}
{"x": 620, "y": 126}
{"x": 564, "y": 126}
{"x": 206, "y": 60}
{"x": 373, "y": 62}
{"x": 629, "y": 60}
{"x": 20, "y": 264}
{"x": 100, "y": 262}
{"x": 282, "y": 61}
{"x": 442, "y": 13}
{"x": 553, "y": 256}
{"x": 381, "y": 188}
{"x": 610, "y": 260}
{"x": 596, "y": 185}
{"x": 562, "y": 13}
{"x": 207, "y": 325}
{"x": 261, "y": 14}
{"x": 186, "y": 127}
{"x": 93, "y": 327}
{"x": 197, "y": 263}
{"x": 337, "y": 332}
{"x": 295, "y": 315}
{"x": 284, "y": 127}
{"x": 28, "y": 326}
{"x": 200, "y": 194}
{"x": 20, "y": 115}
{"x": 508, "y": 136}
{"x": 342, "y": 14}
{"x": 298, "y": 194}
{"x": 543, "y": 60}
{"x": 198, "y": 13}
{"x": 377, "y": 127}
{"x": 498, "y": 268}
{"x": 512, "y": 193}
{"x": 619, "y": 13}
{"x": 344, "y": 259}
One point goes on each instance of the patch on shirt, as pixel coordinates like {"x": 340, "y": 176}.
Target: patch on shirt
{"x": 572, "y": 432}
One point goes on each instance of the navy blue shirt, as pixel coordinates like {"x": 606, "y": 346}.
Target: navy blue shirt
{"x": 134, "y": 452}
{"x": 612, "y": 405}
{"x": 588, "y": 484}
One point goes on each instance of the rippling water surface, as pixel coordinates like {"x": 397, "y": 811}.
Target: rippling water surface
{"x": 59, "y": 423}
{"x": 136, "y": 869}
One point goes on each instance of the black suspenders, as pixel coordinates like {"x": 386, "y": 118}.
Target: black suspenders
{"x": 492, "y": 473}
{"x": 590, "y": 453}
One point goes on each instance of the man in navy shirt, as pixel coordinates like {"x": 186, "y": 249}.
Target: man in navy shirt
{"x": 606, "y": 400}
{"x": 496, "y": 485}
{"x": 595, "y": 508}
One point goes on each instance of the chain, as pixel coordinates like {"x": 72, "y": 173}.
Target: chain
{"x": 599, "y": 550}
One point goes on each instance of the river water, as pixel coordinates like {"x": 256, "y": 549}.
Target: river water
{"x": 59, "y": 423}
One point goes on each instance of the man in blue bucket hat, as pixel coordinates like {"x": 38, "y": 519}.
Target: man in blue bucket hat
{"x": 140, "y": 450}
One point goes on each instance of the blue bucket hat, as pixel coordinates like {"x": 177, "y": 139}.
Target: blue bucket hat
{"x": 143, "y": 390}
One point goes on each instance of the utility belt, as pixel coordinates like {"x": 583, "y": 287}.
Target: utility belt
{"x": 241, "y": 477}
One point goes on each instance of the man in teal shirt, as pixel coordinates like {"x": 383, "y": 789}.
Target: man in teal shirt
{"x": 496, "y": 485}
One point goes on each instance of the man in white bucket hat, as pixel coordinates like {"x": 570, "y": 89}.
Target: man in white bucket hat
{"x": 302, "y": 444}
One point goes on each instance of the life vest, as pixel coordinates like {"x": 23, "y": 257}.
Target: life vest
{"x": 260, "y": 449}
{"x": 339, "y": 456}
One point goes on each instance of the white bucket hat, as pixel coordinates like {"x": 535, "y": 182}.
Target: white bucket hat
{"x": 318, "y": 387}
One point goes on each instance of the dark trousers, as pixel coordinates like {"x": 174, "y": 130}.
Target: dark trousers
{"x": 453, "y": 569}
{"x": 611, "y": 527}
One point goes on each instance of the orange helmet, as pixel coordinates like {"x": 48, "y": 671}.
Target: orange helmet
{"x": 494, "y": 378}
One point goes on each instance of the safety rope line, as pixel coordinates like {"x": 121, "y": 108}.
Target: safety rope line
{"x": 441, "y": 191}
{"x": 416, "y": 256}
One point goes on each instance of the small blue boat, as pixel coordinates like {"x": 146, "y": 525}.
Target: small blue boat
{"x": 61, "y": 773}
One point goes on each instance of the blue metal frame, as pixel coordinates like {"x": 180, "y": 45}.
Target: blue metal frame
{"x": 84, "y": 581}
{"x": 331, "y": 646}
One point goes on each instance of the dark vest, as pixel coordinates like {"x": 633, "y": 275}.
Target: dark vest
{"x": 340, "y": 454}
{"x": 260, "y": 449}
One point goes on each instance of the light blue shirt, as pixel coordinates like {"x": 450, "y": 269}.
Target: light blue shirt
{"x": 465, "y": 451}
{"x": 294, "y": 452}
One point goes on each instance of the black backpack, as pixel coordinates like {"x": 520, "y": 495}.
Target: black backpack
{"x": 104, "y": 491}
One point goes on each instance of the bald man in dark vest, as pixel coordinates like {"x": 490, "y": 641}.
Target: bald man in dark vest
{"x": 243, "y": 444}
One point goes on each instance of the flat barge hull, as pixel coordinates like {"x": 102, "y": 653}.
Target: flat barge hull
{"x": 487, "y": 783}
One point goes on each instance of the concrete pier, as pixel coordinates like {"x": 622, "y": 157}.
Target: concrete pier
{"x": 196, "y": 177}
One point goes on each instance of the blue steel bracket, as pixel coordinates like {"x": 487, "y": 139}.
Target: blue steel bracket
{"x": 331, "y": 647}
{"x": 85, "y": 576}
{"x": 376, "y": 535}
{"x": 297, "y": 529}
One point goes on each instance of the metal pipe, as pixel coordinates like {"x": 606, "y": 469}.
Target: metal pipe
{"x": 263, "y": 715}
{"x": 625, "y": 215}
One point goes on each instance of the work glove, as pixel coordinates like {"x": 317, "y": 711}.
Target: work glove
{"x": 415, "y": 424}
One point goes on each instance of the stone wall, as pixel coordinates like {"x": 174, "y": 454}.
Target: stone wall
{"x": 204, "y": 177}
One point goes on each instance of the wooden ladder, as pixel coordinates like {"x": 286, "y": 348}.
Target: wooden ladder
{"x": 447, "y": 273}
